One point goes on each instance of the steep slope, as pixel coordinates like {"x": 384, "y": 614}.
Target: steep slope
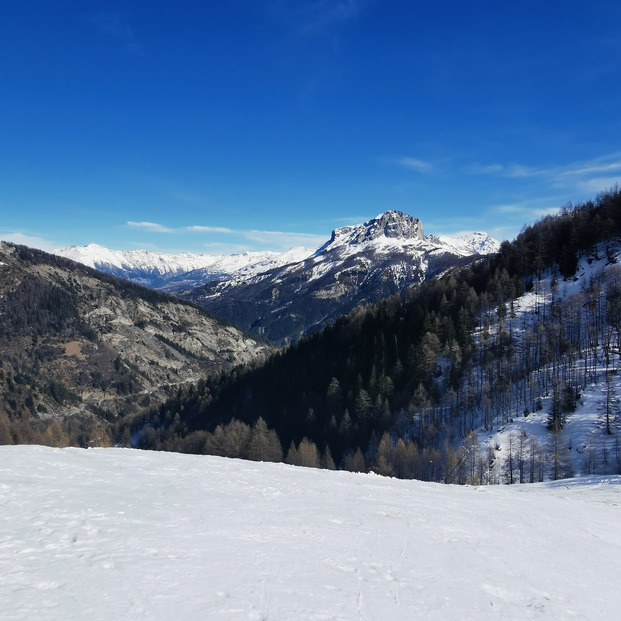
{"x": 358, "y": 265}
{"x": 73, "y": 340}
{"x": 561, "y": 414}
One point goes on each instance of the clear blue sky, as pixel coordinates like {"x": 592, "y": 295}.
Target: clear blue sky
{"x": 255, "y": 124}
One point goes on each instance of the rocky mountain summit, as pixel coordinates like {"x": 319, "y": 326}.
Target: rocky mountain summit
{"x": 391, "y": 225}
{"x": 359, "y": 264}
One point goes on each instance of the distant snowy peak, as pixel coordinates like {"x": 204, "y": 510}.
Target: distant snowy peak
{"x": 471, "y": 243}
{"x": 136, "y": 264}
{"x": 96, "y": 256}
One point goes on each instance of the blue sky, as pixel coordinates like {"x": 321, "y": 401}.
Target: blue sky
{"x": 261, "y": 124}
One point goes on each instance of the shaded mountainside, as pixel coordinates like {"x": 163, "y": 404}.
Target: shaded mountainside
{"x": 74, "y": 341}
{"x": 400, "y": 385}
{"x": 359, "y": 265}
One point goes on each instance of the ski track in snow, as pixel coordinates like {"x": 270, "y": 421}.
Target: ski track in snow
{"x": 125, "y": 534}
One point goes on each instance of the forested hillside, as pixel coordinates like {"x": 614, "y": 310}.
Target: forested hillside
{"x": 400, "y": 385}
{"x": 79, "y": 348}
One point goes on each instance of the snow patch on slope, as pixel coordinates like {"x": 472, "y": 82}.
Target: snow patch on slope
{"x": 585, "y": 444}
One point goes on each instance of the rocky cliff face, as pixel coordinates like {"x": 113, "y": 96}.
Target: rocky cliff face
{"x": 74, "y": 341}
{"x": 391, "y": 225}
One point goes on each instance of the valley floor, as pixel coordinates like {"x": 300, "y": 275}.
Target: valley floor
{"x": 127, "y": 534}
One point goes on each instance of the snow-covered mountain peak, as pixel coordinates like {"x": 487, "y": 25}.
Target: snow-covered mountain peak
{"x": 395, "y": 230}
{"x": 476, "y": 242}
{"x": 393, "y": 225}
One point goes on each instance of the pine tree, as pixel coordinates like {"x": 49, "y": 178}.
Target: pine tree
{"x": 308, "y": 454}
{"x": 354, "y": 462}
{"x": 383, "y": 462}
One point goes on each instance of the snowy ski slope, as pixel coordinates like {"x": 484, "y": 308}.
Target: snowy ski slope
{"x": 126, "y": 534}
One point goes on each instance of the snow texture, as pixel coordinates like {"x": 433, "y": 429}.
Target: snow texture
{"x": 124, "y": 534}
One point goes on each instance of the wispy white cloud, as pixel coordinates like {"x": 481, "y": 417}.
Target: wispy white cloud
{"x": 511, "y": 171}
{"x": 276, "y": 240}
{"x": 484, "y": 169}
{"x": 311, "y": 40}
{"x": 524, "y": 210}
{"x": 501, "y": 221}
{"x": 284, "y": 240}
{"x": 208, "y": 229}
{"x": 414, "y": 164}
{"x": 589, "y": 175}
{"x": 153, "y": 227}
{"x": 319, "y": 17}
{"x": 599, "y": 184}
{"x": 513, "y": 216}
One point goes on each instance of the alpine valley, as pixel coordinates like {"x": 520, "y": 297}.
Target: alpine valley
{"x": 502, "y": 367}
{"x": 284, "y": 296}
{"x": 79, "y": 347}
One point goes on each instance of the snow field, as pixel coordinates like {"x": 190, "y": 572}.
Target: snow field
{"x": 126, "y": 534}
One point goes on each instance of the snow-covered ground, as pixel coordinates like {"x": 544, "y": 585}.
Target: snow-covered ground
{"x": 125, "y": 534}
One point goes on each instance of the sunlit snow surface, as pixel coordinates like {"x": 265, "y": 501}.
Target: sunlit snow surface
{"x": 124, "y": 534}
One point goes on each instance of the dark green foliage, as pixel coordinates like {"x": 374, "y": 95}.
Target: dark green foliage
{"x": 39, "y": 307}
{"x": 564, "y": 399}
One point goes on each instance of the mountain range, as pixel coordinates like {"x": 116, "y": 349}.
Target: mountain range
{"x": 502, "y": 370}
{"x": 177, "y": 272}
{"x": 284, "y": 296}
